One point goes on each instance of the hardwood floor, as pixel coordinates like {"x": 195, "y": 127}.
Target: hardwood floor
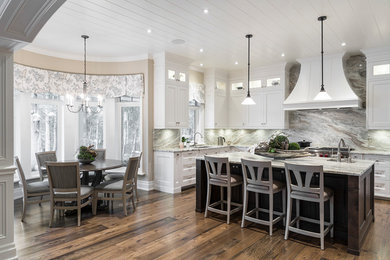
{"x": 166, "y": 226}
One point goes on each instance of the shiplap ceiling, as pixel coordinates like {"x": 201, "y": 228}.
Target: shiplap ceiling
{"x": 118, "y": 29}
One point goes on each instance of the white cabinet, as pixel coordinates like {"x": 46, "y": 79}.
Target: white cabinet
{"x": 216, "y": 113}
{"x": 378, "y": 88}
{"x": 171, "y": 90}
{"x": 238, "y": 114}
{"x": 257, "y": 114}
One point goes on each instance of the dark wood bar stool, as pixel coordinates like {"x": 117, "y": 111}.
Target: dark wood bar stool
{"x": 218, "y": 176}
{"x": 254, "y": 181}
{"x": 299, "y": 187}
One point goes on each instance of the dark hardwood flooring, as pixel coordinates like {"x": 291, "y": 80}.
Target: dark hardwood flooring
{"x": 166, "y": 226}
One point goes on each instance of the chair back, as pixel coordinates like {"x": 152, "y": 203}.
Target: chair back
{"x": 253, "y": 171}
{"x": 300, "y": 178}
{"x": 64, "y": 176}
{"x": 217, "y": 168}
{"x": 42, "y": 158}
{"x": 100, "y": 154}
{"x": 131, "y": 171}
{"x": 22, "y": 177}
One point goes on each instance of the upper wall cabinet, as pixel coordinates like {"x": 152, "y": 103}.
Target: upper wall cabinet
{"x": 268, "y": 90}
{"x": 216, "y": 84}
{"x": 378, "y": 88}
{"x": 171, "y": 90}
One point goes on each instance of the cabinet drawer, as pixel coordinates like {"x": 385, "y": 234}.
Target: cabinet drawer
{"x": 189, "y": 162}
{"x": 192, "y": 154}
{"x": 382, "y": 170}
{"x": 382, "y": 188}
{"x": 189, "y": 172}
{"x": 377, "y": 157}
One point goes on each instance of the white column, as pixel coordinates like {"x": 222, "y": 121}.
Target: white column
{"x": 7, "y": 245}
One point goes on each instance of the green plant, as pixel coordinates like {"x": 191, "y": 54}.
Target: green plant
{"x": 278, "y": 142}
{"x": 294, "y": 146}
{"x": 184, "y": 140}
{"x": 87, "y": 153}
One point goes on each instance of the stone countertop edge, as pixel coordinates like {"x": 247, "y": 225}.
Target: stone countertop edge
{"x": 176, "y": 149}
{"x": 357, "y": 168}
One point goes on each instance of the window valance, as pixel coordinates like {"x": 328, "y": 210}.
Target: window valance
{"x": 34, "y": 80}
{"x": 197, "y": 92}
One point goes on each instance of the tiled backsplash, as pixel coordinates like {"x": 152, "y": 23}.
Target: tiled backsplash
{"x": 321, "y": 127}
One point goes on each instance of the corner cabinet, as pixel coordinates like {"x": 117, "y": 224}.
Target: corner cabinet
{"x": 268, "y": 91}
{"x": 171, "y": 90}
{"x": 378, "y": 88}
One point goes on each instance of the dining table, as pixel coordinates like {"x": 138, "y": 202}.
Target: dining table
{"x": 98, "y": 167}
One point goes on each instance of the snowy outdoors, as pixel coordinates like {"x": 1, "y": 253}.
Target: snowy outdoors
{"x": 131, "y": 131}
{"x": 91, "y": 129}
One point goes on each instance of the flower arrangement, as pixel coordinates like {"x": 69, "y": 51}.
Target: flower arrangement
{"x": 86, "y": 154}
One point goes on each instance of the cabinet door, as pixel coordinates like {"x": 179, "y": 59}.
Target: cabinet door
{"x": 182, "y": 107}
{"x": 220, "y": 111}
{"x": 170, "y": 106}
{"x": 257, "y": 113}
{"x": 274, "y": 110}
{"x": 378, "y": 105}
{"x": 238, "y": 114}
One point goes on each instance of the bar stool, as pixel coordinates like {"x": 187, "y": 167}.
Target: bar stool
{"x": 218, "y": 175}
{"x": 302, "y": 189}
{"x": 254, "y": 182}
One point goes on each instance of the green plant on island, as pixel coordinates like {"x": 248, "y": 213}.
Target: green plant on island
{"x": 184, "y": 140}
{"x": 278, "y": 142}
{"x": 294, "y": 146}
{"x": 87, "y": 153}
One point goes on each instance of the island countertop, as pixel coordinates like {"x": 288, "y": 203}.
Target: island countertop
{"x": 356, "y": 168}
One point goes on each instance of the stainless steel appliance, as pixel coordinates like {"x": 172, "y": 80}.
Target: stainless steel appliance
{"x": 221, "y": 140}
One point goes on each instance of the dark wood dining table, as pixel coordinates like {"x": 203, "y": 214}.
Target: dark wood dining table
{"x": 98, "y": 167}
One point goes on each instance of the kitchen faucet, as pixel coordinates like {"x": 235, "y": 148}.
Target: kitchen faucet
{"x": 341, "y": 142}
{"x": 195, "y": 136}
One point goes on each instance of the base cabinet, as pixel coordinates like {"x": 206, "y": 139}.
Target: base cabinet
{"x": 176, "y": 170}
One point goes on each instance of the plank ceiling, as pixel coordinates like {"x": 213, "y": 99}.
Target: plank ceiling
{"x": 118, "y": 29}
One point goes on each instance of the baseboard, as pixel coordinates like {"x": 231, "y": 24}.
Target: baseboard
{"x": 8, "y": 251}
{"x": 166, "y": 186}
{"x": 145, "y": 185}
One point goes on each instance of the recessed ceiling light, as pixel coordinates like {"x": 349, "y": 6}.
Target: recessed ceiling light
{"x": 149, "y": 31}
{"x": 178, "y": 41}
{"x": 236, "y": 63}
{"x": 282, "y": 54}
{"x": 343, "y": 44}
{"x": 201, "y": 64}
{"x": 206, "y": 11}
{"x": 201, "y": 50}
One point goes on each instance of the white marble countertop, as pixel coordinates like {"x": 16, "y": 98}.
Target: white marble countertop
{"x": 185, "y": 149}
{"x": 356, "y": 168}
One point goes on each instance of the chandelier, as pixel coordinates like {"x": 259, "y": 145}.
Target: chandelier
{"x": 84, "y": 106}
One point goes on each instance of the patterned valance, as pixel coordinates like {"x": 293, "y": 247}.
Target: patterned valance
{"x": 197, "y": 92}
{"x": 33, "y": 80}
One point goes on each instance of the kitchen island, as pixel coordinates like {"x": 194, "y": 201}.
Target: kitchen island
{"x": 352, "y": 183}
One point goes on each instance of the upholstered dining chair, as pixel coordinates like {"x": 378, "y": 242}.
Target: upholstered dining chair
{"x": 256, "y": 182}
{"x": 218, "y": 174}
{"x": 31, "y": 190}
{"x": 300, "y": 186}
{"x": 64, "y": 181}
{"x": 42, "y": 158}
{"x": 100, "y": 154}
{"x": 125, "y": 187}
{"x": 117, "y": 174}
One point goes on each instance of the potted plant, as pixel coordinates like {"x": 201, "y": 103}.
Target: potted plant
{"x": 86, "y": 154}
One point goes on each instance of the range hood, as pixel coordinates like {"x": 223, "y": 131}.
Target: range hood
{"x": 309, "y": 82}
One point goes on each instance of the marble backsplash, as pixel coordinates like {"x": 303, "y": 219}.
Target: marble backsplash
{"x": 321, "y": 127}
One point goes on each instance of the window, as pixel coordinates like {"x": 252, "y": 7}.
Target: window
{"x": 237, "y": 86}
{"x": 273, "y": 82}
{"x": 221, "y": 85}
{"x": 182, "y": 76}
{"x": 195, "y": 115}
{"x": 256, "y": 84}
{"x": 91, "y": 129}
{"x": 381, "y": 69}
{"x": 130, "y": 109}
{"x": 43, "y": 130}
{"x": 171, "y": 74}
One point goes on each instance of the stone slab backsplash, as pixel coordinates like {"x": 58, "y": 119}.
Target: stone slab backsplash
{"x": 321, "y": 127}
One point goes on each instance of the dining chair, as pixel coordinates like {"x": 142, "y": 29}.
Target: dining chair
{"x": 117, "y": 174}
{"x": 42, "y": 158}
{"x": 218, "y": 174}
{"x": 124, "y": 187}
{"x": 31, "y": 190}
{"x": 300, "y": 186}
{"x": 64, "y": 181}
{"x": 256, "y": 182}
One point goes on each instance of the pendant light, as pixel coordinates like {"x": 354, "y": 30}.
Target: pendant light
{"x": 322, "y": 95}
{"x": 248, "y": 100}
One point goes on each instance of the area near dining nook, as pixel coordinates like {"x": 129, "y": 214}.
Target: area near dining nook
{"x": 178, "y": 129}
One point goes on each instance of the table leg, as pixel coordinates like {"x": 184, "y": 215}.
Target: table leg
{"x": 98, "y": 178}
{"x": 85, "y": 178}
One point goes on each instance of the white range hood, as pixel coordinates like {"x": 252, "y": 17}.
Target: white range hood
{"x": 309, "y": 85}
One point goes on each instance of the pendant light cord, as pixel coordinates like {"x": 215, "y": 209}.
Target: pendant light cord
{"x": 322, "y": 19}
{"x": 85, "y": 59}
{"x": 249, "y": 36}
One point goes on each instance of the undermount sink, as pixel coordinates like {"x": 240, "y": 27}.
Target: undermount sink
{"x": 342, "y": 160}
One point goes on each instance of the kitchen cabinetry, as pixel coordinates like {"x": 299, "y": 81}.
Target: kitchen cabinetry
{"x": 216, "y": 83}
{"x": 171, "y": 90}
{"x": 378, "y": 88}
{"x": 175, "y": 170}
